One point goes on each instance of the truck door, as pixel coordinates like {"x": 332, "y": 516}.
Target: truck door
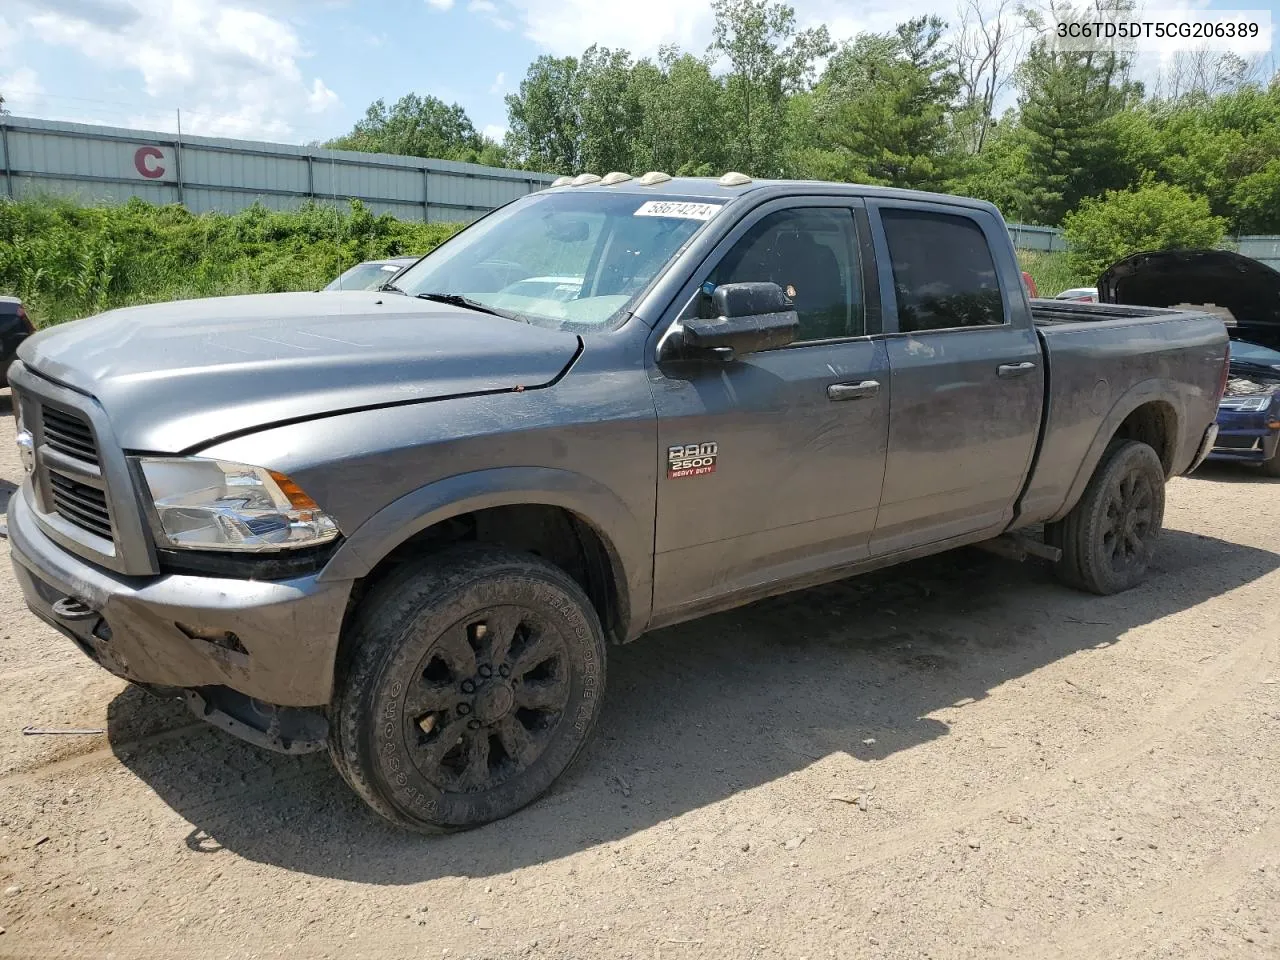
{"x": 772, "y": 463}
{"x": 965, "y": 373}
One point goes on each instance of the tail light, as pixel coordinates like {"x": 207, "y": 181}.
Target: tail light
{"x": 1029, "y": 282}
{"x": 26, "y": 320}
{"x": 1226, "y": 372}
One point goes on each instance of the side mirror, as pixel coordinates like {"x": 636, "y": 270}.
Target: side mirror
{"x": 747, "y": 318}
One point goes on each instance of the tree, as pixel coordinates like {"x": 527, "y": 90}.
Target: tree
{"x": 681, "y": 130}
{"x": 988, "y": 45}
{"x": 544, "y": 122}
{"x": 1156, "y": 216}
{"x": 611, "y": 113}
{"x": 416, "y": 126}
{"x": 1205, "y": 73}
{"x": 769, "y": 59}
{"x": 883, "y": 108}
{"x": 1067, "y": 95}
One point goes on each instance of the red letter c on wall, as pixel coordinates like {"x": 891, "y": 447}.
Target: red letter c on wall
{"x": 141, "y": 158}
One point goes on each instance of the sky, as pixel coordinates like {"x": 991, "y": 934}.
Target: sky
{"x": 301, "y": 70}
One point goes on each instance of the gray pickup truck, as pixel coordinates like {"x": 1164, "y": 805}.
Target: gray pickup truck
{"x": 405, "y": 525}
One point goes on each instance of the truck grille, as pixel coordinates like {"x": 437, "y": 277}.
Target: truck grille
{"x": 80, "y": 504}
{"x": 67, "y": 433}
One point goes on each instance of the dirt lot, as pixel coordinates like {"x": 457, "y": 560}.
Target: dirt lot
{"x": 957, "y": 758}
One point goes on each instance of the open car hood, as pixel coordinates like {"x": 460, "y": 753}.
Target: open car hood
{"x": 1250, "y": 290}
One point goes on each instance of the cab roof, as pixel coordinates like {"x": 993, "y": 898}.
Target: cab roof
{"x": 710, "y": 188}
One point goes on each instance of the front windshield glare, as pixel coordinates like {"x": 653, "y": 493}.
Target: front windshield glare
{"x": 562, "y": 259}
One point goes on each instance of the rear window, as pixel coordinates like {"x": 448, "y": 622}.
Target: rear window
{"x": 943, "y": 273}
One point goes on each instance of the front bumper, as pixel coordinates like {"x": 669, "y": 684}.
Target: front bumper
{"x": 1247, "y": 445}
{"x": 273, "y": 641}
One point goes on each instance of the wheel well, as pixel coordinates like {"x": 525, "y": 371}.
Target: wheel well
{"x": 1155, "y": 424}
{"x": 555, "y": 534}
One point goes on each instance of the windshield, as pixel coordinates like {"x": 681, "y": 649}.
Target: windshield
{"x": 366, "y": 276}
{"x": 562, "y": 259}
{"x": 1252, "y": 353}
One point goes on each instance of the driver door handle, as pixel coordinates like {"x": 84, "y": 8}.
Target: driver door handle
{"x": 853, "y": 391}
{"x": 1008, "y": 370}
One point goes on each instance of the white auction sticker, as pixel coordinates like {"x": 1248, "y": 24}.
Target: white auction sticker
{"x": 679, "y": 209}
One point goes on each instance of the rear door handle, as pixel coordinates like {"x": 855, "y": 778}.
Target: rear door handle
{"x": 853, "y": 391}
{"x": 1008, "y": 370}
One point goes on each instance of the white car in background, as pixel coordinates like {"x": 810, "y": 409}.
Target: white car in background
{"x": 1079, "y": 294}
{"x": 371, "y": 274}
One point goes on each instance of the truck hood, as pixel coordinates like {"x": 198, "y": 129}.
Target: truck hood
{"x": 174, "y": 376}
{"x": 1168, "y": 278}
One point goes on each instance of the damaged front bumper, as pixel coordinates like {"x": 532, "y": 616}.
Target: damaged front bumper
{"x": 253, "y": 657}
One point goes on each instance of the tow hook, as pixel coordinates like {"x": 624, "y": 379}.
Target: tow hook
{"x": 69, "y": 608}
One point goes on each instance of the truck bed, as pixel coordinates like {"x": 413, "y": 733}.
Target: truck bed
{"x": 1098, "y": 370}
{"x": 1051, "y": 313}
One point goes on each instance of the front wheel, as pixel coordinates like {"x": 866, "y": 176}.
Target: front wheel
{"x": 1108, "y": 538}
{"x": 475, "y": 680}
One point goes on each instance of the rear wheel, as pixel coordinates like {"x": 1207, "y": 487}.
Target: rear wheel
{"x": 475, "y": 680}
{"x": 1108, "y": 538}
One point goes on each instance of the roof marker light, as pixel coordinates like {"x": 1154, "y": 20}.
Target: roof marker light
{"x": 562, "y": 181}
{"x": 653, "y": 178}
{"x": 617, "y": 176}
{"x": 582, "y": 179}
{"x": 734, "y": 179}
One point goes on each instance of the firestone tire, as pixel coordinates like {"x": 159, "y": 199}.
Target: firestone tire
{"x": 1108, "y": 538}
{"x": 474, "y": 680}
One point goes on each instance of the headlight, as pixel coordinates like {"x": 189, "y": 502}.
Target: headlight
{"x": 216, "y": 505}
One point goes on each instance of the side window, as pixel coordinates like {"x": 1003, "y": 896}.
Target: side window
{"x": 811, "y": 252}
{"x": 943, "y": 273}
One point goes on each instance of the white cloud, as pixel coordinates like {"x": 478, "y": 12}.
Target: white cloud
{"x": 489, "y": 10}
{"x": 233, "y": 71}
{"x": 320, "y": 98}
{"x": 20, "y": 89}
{"x": 495, "y": 131}
{"x": 440, "y": 4}
{"x": 8, "y": 36}
{"x": 499, "y": 84}
{"x": 570, "y": 26}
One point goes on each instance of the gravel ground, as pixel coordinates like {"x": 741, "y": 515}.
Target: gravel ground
{"x": 954, "y": 758}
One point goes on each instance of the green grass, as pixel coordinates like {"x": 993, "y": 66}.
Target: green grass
{"x": 66, "y": 260}
{"x": 1050, "y": 272}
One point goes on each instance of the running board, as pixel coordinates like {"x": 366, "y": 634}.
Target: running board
{"x": 1018, "y": 547}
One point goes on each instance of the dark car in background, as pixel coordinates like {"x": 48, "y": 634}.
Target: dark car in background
{"x": 1245, "y": 293}
{"x": 370, "y": 275}
{"x": 15, "y": 326}
{"x": 1249, "y": 413}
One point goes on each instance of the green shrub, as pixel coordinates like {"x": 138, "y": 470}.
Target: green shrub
{"x": 1051, "y": 271}
{"x": 1153, "y": 217}
{"x": 67, "y": 260}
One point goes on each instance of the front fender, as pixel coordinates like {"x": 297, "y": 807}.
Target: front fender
{"x": 629, "y": 544}
{"x": 1147, "y": 391}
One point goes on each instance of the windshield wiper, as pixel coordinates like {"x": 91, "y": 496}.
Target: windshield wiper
{"x": 458, "y": 300}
